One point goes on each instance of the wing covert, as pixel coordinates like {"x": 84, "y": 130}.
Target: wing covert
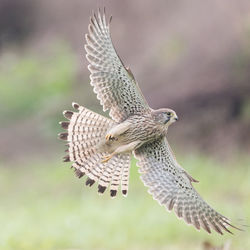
{"x": 171, "y": 186}
{"x": 114, "y": 84}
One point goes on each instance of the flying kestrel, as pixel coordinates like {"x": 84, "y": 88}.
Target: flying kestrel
{"x": 101, "y": 148}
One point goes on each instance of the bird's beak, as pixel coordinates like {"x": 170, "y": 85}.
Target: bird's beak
{"x": 176, "y": 118}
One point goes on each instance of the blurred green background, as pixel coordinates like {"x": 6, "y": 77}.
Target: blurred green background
{"x": 191, "y": 56}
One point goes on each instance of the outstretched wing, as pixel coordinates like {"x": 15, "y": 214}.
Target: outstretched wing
{"x": 171, "y": 186}
{"x": 114, "y": 84}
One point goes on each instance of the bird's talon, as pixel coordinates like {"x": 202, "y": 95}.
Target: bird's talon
{"x": 109, "y": 137}
{"x": 106, "y": 158}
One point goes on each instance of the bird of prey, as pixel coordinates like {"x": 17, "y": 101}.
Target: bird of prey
{"x": 101, "y": 148}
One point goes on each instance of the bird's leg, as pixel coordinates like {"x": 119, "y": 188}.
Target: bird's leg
{"x": 106, "y": 158}
{"x": 110, "y": 137}
{"x": 117, "y": 130}
{"x": 122, "y": 149}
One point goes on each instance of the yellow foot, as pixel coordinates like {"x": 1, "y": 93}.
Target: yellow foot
{"x": 110, "y": 137}
{"x": 106, "y": 158}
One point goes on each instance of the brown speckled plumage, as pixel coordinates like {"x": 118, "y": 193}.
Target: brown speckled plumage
{"x": 101, "y": 148}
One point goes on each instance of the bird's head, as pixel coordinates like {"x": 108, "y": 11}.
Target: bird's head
{"x": 165, "y": 116}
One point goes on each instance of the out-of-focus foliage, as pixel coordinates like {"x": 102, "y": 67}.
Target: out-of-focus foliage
{"x": 30, "y": 82}
{"x": 43, "y": 206}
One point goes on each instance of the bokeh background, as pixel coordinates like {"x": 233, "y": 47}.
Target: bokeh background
{"x": 192, "y": 56}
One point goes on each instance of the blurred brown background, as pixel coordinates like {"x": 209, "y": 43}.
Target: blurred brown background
{"x": 192, "y": 56}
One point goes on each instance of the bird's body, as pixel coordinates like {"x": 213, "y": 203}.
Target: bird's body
{"x": 101, "y": 148}
{"x": 135, "y": 131}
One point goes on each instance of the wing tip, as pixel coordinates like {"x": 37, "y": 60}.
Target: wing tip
{"x": 100, "y": 13}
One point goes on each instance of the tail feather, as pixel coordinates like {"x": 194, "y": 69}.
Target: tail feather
{"x": 123, "y": 162}
{"x": 113, "y": 173}
{"x": 106, "y": 175}
{"x": 85, "y": 130}
{"x": 125, "y": 178}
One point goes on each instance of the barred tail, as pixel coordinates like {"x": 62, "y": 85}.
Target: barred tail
{"x": 85, "y": 130}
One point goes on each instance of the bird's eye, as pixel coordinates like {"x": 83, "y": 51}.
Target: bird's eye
{"x": 169, "y": 113}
